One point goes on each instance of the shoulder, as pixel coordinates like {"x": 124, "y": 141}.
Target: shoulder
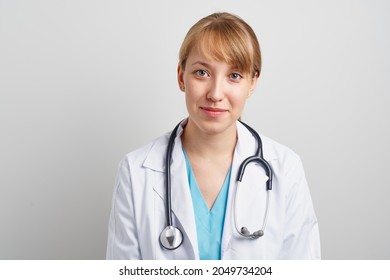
{"x": 286, "y": 163}
{"x": 287, "y": 159}
{"x": 152, "y": 155}
{"x": 275, "y": 150}
{"x": 153, "y": 151}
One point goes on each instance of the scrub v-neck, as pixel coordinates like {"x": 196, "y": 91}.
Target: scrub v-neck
{"x": 209, "y": 223}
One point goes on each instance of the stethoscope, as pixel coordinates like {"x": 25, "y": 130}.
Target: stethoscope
{"x": 171, "y": 237}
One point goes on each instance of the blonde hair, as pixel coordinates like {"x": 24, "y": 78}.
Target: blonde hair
{"x": 224, "y": 37}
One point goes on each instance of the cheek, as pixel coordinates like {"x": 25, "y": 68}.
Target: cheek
{"x": 238, "y": 100}
{"x": 191, "y": 98}
{"x": 239, "y": 95}
{"x": 240, "y": 103}
{"x": 194, "y": 91}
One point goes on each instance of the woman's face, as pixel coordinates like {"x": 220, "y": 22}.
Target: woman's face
{"x": 215, "y": 92}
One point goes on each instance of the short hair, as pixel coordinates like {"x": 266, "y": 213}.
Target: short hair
{"x": 224, "y": 37}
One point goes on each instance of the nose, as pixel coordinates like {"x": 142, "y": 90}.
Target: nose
{"x": 216, "y": 90}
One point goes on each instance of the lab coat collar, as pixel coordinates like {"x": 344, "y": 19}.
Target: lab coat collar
{"x": 154, "y": 160}
{"x": 246, "y": 146}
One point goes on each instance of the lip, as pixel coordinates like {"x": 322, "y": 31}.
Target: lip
{"x": 213, "y": 112}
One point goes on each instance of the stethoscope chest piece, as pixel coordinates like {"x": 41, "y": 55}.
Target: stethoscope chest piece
{"x": 171, "y": 238}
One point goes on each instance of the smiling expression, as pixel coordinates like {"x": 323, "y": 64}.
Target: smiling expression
{"x": 215, "y": 92}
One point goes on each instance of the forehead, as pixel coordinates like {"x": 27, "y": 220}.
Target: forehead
{"x": 219, "y": 47}
{"x": 196, "y": 58}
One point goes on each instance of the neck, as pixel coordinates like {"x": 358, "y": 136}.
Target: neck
{"x": 209, "y": 145}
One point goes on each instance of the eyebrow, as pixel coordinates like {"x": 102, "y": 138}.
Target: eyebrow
{"x": 205, "y": 64}
{"x": 201, "y": 63}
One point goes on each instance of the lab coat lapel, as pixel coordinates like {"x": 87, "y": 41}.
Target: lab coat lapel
{"x": 183, "y": 213}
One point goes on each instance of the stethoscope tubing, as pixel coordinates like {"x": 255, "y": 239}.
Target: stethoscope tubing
{"x": 168, "y": 159}
{"x": 258, "y": 157}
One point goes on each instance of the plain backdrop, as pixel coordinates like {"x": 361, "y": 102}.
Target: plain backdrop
{"x": 83, "y": 82}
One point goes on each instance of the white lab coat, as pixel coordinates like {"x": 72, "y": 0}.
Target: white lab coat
{"x": 138, "y": 211}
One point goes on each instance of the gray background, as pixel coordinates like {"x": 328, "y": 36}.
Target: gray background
{"x": 84, "y": 82}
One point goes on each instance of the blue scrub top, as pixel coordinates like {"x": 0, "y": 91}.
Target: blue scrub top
{"x": 209, "y": 223}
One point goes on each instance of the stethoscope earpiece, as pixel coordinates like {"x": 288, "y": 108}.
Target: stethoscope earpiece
{"x": 245, "y": 231}
{"x": 258, "y": 234}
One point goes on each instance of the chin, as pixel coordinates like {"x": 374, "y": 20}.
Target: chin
{"x": 213, "y": 127}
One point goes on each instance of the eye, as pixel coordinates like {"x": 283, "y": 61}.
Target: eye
{"x": 201, "y": 73}
{"x": 236, "y": 76}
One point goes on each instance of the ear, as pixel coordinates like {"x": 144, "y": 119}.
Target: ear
{"x": 180, "y": 78}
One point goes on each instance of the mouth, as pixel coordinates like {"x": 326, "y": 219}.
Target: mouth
{"x": 213, "y": 112}
{"x": 213, "y": 109}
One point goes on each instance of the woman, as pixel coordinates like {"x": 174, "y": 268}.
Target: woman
{"x": 219, "y": 65}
